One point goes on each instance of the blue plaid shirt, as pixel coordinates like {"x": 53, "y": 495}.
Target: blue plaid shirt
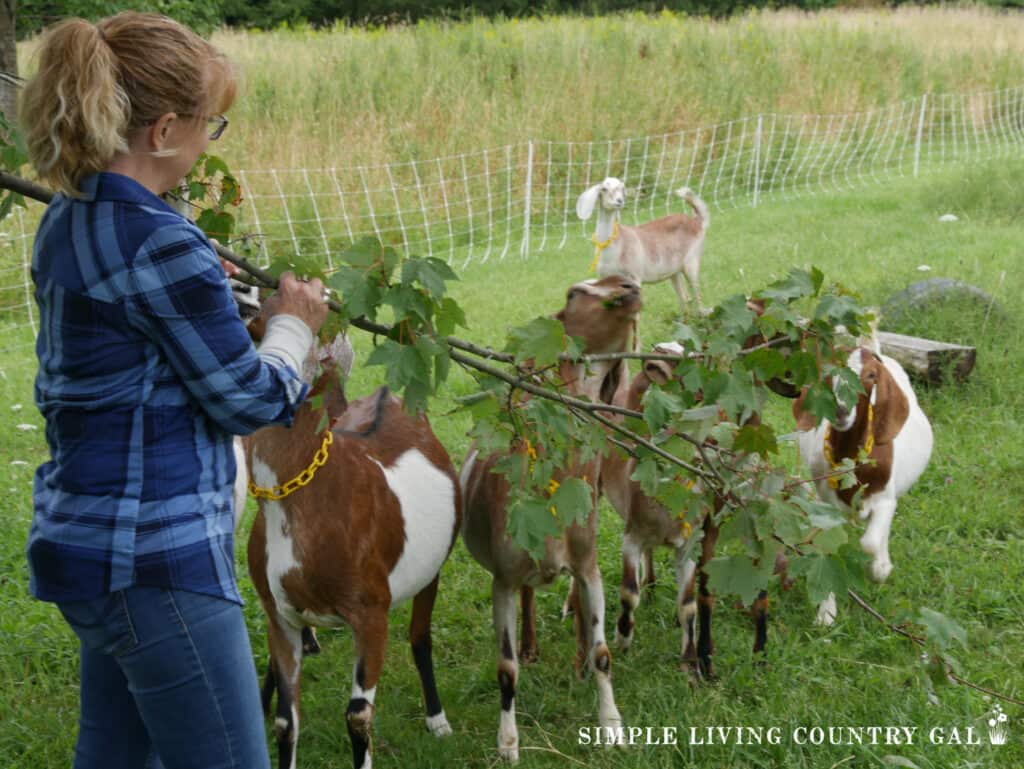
{"x": 145, "y": 373}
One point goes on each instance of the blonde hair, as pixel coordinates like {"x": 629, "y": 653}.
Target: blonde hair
{"x": 97, "y": 83}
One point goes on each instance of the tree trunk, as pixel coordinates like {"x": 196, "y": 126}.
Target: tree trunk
{"x": 8, "y": 60}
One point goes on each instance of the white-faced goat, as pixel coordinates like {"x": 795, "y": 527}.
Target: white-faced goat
{"x": 669, "y": 247}
{"x": 353, "y": 520}
{"x": 887, "y": 425}
{"x": 602, "y": 313}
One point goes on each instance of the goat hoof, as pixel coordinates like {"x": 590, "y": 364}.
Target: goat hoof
{"x": 438, "y": 725}
{"x": 528, "y": 655}
{"x": 509, "y": 753}
{"x": 705, "y": 670}
{"x": 310, "y": 645}
{"x": 879, "y": 570}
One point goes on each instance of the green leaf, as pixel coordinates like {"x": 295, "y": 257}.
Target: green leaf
{"x": 214, "y": 165}
{"x": 448, "y": 316}
{"x": 825, "y": 574}
{"x": 407, "y": 302}
{"x": 829, "y": 541}
{"x": 821, "y": 402}
{"x": 759, "y": 439}
{"x": 739, "y": 576}
{"x": 847, "y": 385}
{"x": 216, "y": 224}
{"x": 573, "y": 501}
{"x": 686, "y": 336}
{"x": 940, "y": 629}
{"x": 734, "y": 316}
{"x": 648, "y": 475}
{"x": 359, "y": 295}
{"x": 798, "y": 284}
{"x": 529, "y": 522}
{"x": 542, "y": 339}
{"x": 739, "y": 399}
{"x": 431, "y": 274}
{"x": 658, "y": 408}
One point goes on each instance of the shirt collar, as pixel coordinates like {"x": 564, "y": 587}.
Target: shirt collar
{"x": 106, "y": 186}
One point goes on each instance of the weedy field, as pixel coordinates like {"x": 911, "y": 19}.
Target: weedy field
{"x": 957, "y": 544}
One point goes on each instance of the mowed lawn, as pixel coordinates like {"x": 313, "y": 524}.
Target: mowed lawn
{"x": 956, "y": 545}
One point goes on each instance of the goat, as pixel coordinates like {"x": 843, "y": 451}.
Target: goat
{"x": 371, "y": 528}
{"x": 648, "y": 525}
{"x": 669, "y": 247}
{"x": 888, "y": 425}
{"x": 603, "y": 313}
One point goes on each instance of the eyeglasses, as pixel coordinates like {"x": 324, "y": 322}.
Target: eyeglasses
{"x": 217, "y": 124}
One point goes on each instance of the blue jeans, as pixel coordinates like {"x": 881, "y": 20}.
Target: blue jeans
{"x": 168, "y": 674}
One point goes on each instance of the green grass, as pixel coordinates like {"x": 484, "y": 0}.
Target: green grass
{"x": 957, "y": 544}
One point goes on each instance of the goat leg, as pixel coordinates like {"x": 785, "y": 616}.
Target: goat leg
{"x": 371, "y": 636}
{"x": 286, "y": 667}
{"x": 528, "y": 637}
{"x": 504, "y": 605}
{"x": 422, "y": 653}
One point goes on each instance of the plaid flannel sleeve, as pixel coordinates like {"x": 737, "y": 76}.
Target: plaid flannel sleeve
{"x": 179, "y": 297}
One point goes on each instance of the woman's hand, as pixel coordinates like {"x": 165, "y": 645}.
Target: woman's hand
{"x": 303, "y": 299}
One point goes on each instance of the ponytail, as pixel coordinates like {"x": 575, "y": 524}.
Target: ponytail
{"x": 74, "y": 111}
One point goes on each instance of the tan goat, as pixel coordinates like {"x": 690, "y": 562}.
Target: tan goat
{"x": 603, "y": 314}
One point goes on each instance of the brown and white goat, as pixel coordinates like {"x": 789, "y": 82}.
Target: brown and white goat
{"x": 669, "y": 247}
{"x": 648, "y": 524}
{"x": 887, "y": 424}
{"x": 603, "y": 314}
{"x": 370, "y": 530}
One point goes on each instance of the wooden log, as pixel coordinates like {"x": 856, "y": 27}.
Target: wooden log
{"x": 928, "y": 360}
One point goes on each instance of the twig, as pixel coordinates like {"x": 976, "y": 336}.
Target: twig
{"x": 921, "y": 642}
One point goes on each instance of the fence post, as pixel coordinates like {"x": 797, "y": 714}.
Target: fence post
{"x": 525, "y": 250}
{"x": 920, "y": 133}
{"x": 757, "y": 159}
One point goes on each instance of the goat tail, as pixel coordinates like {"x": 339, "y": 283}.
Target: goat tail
{"x": 699, "y": 206}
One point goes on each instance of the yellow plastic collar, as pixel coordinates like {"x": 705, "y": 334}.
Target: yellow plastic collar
{"x": 300, "y": 480}
{"x": 600, "y": 246}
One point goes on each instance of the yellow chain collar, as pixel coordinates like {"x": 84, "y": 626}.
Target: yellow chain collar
{"x": 300, "y": 480}
{"x": 869, "y": 446}
{"x": 600, "y": 246}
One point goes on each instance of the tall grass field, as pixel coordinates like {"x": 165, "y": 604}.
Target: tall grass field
{"x": 421, "y": 91}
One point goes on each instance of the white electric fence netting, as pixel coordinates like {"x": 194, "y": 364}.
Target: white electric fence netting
{"x": 519, "y": 199}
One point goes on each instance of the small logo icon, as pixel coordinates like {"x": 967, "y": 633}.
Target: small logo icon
{"x": 997, "y": 726}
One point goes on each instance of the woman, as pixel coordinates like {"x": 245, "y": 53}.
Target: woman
{"x": 145, "y": 373}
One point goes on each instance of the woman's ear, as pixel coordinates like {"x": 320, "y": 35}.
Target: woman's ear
{"x": 159, "y": 131}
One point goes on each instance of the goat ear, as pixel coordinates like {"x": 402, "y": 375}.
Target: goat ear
{"x": 613, "y": 380}
{"x": 804, "y": 419}
{"x": 338, "y": 352}
{"x": 891, "y": 407}
{"x": 585, "y": 203}
{"x": 658, "y": 371}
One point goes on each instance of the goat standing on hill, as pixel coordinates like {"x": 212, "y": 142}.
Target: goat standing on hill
{"x": 366, "y": 523}
{"x": 603, "y": 314}
{"x": 669, "y": 247}
{"x": 885, "y": 423}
